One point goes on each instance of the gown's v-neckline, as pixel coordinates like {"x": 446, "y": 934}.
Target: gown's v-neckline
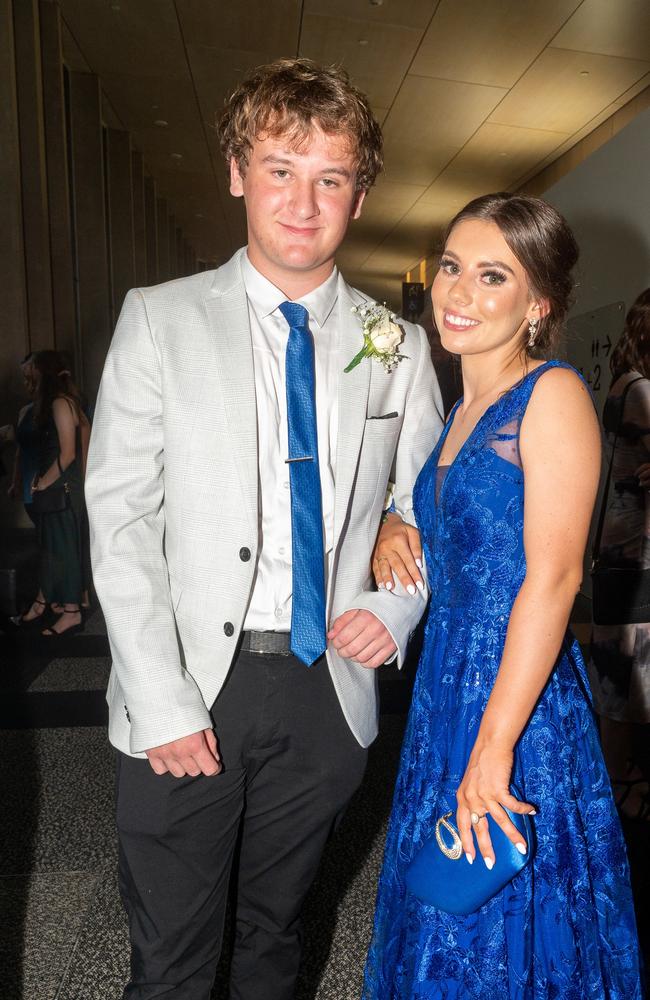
{"x": 449, "y": 465}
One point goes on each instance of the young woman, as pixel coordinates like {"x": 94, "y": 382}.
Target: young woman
{"x": 503, "y": 506}
{"x": 619, "y": 667}
{"x": 63, "y": 433}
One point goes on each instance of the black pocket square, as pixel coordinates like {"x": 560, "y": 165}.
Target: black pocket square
{"x": 384, "y": 416}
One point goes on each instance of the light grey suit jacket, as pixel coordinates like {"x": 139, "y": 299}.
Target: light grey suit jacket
{"x": 172, "y": 493}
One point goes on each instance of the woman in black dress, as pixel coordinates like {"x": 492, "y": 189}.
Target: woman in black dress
{"x": 620, "y": 653}
{"x": 63, "y": 431}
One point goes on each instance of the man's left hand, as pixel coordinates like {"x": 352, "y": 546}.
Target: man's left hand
{"x": 359, "y": 635}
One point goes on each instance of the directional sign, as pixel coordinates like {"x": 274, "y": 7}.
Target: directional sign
{"x": 590, "y": 340}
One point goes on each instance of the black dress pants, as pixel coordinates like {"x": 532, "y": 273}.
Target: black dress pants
{"x": 290, "y": 766}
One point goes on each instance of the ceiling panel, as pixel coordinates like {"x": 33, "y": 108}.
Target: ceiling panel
{"x": 135, "y": 39}
{"x": 490, "y": 43}
{"x": 386, "y": 203}
{"x": 472, "y": 97}
{"x": 404, "y": 13}
{"x": 182, "y": 151}
{"x": 416, "y": 236}
{"x": 377, "y": 67}
{"x": 494, "y": 159}
{"x": 609, "y": 27}
{"x": 554, "y": 94}
{"x": 143, "y": 100}
{"x": 251, "y": 25}
{"x": 429, "y": 123}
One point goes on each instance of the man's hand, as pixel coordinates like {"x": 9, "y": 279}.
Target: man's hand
{"x": 194, "y": 754}
{"x": 359, "y": 635}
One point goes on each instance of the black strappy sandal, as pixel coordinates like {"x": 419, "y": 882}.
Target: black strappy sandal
{"x": 30, "y": 621}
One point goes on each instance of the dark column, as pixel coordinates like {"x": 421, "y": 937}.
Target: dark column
{"x": 36, "y": 235}
{"x": 139, "y": 230}
{"x": 173, "y": 269}
{"x": 91, "y": 259}
{"x": 120, "y": 216}
{"x": 58, "y": 189}
{"x": 151, "y": 226}
{"x": 14, "y": 342}
{"x": 180, "y": 263}
{"x": 163, "y": 239}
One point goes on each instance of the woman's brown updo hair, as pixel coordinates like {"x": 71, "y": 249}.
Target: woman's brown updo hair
{"x": 632, "y": 352}
{"x": 542, "y": 242}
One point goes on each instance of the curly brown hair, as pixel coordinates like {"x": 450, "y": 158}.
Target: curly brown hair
{"x": 632, "y": 352}
{"x": 289, "y": 96}
{"x": 542, "y": 241}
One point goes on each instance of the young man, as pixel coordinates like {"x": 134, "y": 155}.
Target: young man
{"x": 235, "y": 485}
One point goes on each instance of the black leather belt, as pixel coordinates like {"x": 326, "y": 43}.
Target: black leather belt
{"x": 269, "y": 643}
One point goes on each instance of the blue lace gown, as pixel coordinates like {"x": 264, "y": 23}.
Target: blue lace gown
{"x": 563, "y": 929}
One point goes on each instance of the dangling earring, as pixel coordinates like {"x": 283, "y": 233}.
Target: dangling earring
{"x": 532, "y": 332}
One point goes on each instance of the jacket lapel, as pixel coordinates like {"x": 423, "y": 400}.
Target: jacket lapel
{"x": 353, "y": 387}
{"x": 227, "y": 311}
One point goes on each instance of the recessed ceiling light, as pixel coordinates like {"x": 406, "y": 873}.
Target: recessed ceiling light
{"x": 363, "y": 41}
{"x": 198, "y": 215}
{"x": 375, "y": 3}
{"x": 584, "y": 72}
{"x": 161, "y": 123}
{"x": 176, "y": 156}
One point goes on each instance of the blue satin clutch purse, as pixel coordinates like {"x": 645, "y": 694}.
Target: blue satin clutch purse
{"x": 441, "y": 876}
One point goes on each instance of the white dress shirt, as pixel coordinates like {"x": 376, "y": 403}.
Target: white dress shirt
{"x": 270, "y": 605}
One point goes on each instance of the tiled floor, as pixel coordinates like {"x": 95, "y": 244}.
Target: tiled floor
{"x": 62, "y": 928}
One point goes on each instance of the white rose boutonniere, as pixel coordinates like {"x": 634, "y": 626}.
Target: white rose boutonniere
{"x": 381, "y": 337}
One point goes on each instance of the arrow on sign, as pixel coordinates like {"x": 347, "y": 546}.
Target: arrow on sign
{"x": 607, "y": 346}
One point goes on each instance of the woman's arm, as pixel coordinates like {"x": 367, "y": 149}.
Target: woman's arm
{"x": 397, "y": 550}
{"x": 65, "y": 419}
{"x": 560, "y": 452}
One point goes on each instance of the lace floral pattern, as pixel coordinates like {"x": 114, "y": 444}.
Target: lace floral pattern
{"x": 564, "y": 929}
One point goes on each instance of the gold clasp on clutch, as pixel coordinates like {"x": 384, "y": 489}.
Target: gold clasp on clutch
{"x": 454, "y": 851}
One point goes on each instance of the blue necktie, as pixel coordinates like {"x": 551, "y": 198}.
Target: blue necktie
{"x": 308, "y": 628}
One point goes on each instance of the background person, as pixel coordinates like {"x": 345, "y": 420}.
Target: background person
{"x": 504, "y": 505}
{"x": 62, "y": 430}
{"x": 620, "y": 653}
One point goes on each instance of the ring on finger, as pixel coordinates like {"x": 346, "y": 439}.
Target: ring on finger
{"x": 476, "y": 817}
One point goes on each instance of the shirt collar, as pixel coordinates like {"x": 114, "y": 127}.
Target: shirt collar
{"x": 265, "y": 297}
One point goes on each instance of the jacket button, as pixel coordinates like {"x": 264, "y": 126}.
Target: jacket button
{"x": 229, "y": 628}
{"x": 244, "y": 554}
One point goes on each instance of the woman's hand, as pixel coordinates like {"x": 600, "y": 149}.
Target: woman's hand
{"x": 485, "y": 788}
{"x": 398, "y": 550}
{"x": 643, "y": 475}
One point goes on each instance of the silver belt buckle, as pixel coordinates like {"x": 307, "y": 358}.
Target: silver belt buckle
{"x": 267, "y": 643}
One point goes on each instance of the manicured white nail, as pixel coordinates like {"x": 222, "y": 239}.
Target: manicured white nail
{"x": 389, "y": 586}
{"x": 419, "y": 585}
{"x": 381, "y": 586}
{"x": 418, "y": 563}
{"x": 521, "y": 848}
{"x": 532, "y": 812}
{"x": 489, "y": 864}
{"x": 470, "y": 859}
{"x": 411, "y": 589}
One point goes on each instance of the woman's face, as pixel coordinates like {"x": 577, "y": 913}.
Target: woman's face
{"x": 480, "y": 295}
